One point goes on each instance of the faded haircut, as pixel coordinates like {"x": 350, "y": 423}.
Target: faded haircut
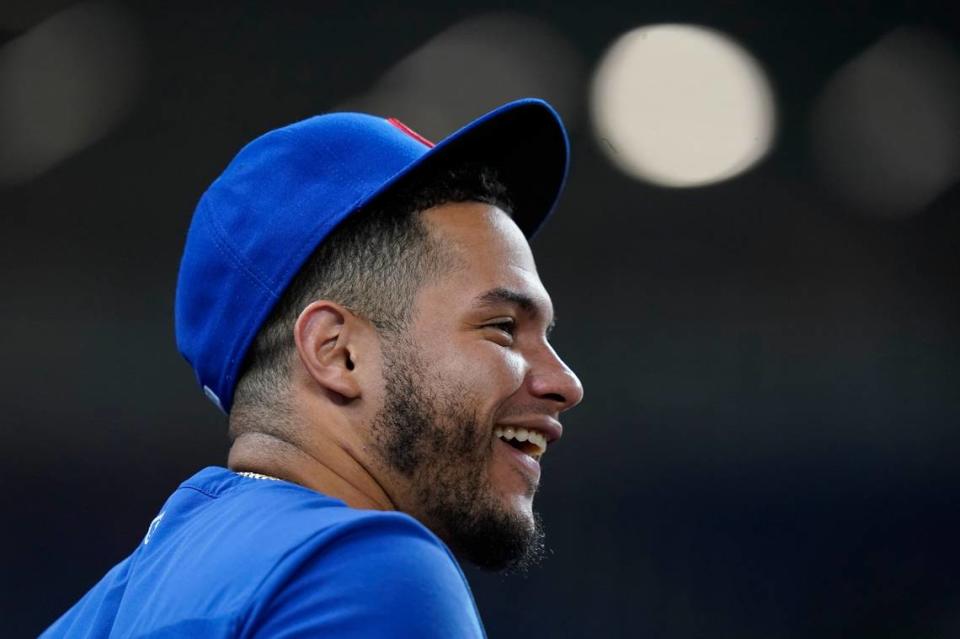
{"x": 373, "y": 263}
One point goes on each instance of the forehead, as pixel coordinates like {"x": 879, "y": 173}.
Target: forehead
{"x": 490, "y": 249}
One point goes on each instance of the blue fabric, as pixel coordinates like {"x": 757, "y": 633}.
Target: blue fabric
{"x": 230, "y": 556}
{"x": 286, "y": 191}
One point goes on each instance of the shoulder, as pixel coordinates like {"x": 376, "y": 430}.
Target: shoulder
{"x": 375, "y": 573}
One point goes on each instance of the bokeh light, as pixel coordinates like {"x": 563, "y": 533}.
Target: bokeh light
{"x": 681, "y": 105}
{"x": 63, "y": 85}
{"x": 886, "y": 129}
{"x": 474, "y": 66}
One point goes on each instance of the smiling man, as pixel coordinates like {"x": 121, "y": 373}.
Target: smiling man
{"x": 365, "y": 307}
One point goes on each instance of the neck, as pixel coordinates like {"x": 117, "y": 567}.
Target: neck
{"x": 326, "y": 466}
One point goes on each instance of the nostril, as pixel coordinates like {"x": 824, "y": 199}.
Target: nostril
{"x": 556, "y": 397}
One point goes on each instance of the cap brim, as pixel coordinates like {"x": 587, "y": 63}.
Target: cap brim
{"x": 524, "y": 142}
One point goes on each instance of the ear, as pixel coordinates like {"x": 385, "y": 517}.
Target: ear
{"x": 324, "y": 333}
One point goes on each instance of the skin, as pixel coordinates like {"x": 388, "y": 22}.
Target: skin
{"x": 477, "y": 345}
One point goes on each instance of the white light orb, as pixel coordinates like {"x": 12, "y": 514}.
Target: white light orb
{"x": 681, "y": 106}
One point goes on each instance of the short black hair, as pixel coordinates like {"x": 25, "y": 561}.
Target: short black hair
{"x": 373, "y": 263}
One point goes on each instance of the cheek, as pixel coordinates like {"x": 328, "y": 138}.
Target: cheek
{"x": 492, "y": 370}
{"x": 515, "y": 366}
{"x": 499, "y": 375}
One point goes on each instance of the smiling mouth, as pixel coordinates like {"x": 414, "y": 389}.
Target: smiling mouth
{"x": 529, "y": 442}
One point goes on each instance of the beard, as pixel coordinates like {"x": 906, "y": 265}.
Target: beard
{"x": 427, "y": 432}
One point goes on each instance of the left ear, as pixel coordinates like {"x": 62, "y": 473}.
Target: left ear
{"x": 325, "y": 334}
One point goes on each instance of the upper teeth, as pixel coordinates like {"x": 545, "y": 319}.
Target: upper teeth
{"x": 523, "y": 435}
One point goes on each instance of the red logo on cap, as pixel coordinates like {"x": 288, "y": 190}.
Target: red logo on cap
{"x": 413, "y": 134}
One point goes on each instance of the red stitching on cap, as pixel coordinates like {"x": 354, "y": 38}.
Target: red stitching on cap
{"x": 413, "y": 134}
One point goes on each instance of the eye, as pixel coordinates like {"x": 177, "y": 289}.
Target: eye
{"x": 507, "y": 326}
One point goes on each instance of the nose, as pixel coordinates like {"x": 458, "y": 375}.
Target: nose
{"x": 552, "y": 380}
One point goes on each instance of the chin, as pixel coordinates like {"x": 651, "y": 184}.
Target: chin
{"x": 521, "y": 508}
{"x": 497, "y": 533}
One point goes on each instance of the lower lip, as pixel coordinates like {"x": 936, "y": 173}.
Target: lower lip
{"x": 529, "y": 464}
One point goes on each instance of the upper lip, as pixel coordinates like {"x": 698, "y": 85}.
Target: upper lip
{"x": 549, "y": 427}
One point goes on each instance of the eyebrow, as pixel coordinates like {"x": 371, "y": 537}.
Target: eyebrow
{"x": 522, "y": 301}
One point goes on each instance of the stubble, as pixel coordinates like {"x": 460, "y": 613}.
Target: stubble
{"x": 427, "y": 433}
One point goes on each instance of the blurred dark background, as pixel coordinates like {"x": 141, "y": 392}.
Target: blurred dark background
{"x": 769, "y": 438}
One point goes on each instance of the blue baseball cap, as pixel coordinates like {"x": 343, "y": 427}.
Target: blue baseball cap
{"x": 283, "y": 193}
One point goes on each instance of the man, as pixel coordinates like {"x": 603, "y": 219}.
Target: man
{"x": 365, "y": 308}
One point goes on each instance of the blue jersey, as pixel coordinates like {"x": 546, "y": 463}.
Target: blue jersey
{"x": 231, "y": 556}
